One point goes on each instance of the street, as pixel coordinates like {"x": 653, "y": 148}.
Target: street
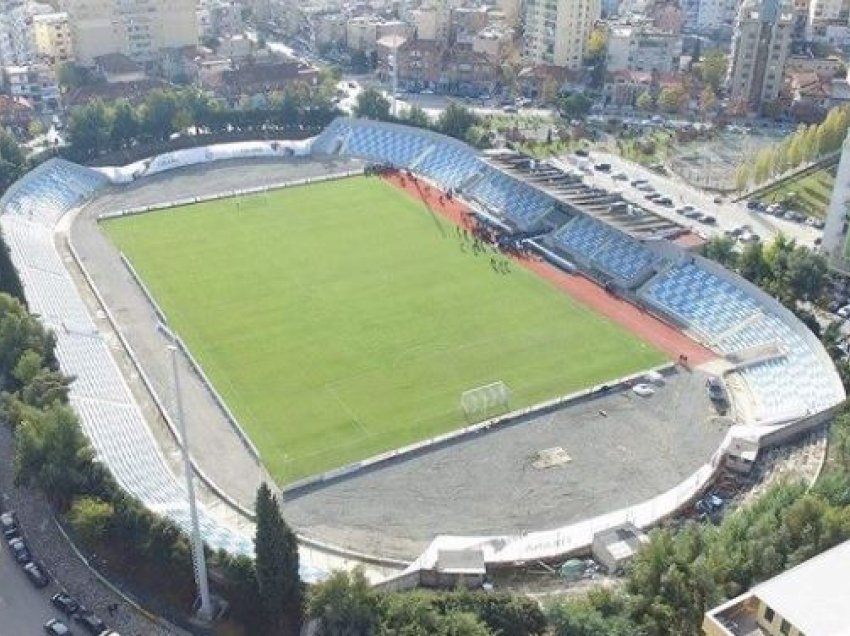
{"x": 23, "y": 608}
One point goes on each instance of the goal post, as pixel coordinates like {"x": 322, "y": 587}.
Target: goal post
{"x": 485, "y": 401}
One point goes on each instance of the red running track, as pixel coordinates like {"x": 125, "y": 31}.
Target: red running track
{"x": 664, "y": 336}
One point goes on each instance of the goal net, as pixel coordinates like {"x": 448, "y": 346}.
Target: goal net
{"x": 485, "y": 401}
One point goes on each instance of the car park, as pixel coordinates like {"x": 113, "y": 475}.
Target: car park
{"x": 91, "y": 623}
{"x": 56, "y": 627}
{"x": 20, "y": 550}
{"x": 65, "y": 603}
{"x": 9, "y": 525}
{"x": 36, "y": 575}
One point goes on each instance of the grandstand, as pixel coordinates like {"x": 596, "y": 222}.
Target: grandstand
{"x": 777, "y": 369}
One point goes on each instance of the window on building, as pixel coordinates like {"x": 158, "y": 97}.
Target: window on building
{"x": 785, "y": 627}
{"x": 769, "y": 614}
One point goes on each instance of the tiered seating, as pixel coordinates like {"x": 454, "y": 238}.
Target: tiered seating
{"x": 698, "y": 298}
{"x": 328, "y": 141}
{"x": 449, "y": 165}
{"x": 108, "y": 412}
{"x": 397, "y": 147}
{"x": 793, "y": 386}
{"x": 517, "y": 201}
{"x": 605, "y": 248}
{"x": 582, "y": 237}
{"x": 50, "y": 190}
{"x": 623, "y": 257}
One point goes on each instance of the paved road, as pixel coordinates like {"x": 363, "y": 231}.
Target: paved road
{"x": 729, "y": 215}
{"x": 23, "y": 608}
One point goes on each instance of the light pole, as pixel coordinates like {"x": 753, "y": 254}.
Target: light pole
{"x": 199, "y": 561}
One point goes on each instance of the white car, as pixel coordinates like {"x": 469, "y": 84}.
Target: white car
{"x": 643, "y": 389}
{"x": 844, "y": 311}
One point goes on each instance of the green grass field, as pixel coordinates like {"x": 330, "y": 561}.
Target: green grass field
{"x": 343, "y": 319}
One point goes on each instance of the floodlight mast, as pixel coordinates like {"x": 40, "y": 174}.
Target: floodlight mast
{"x": 198, "y": 558}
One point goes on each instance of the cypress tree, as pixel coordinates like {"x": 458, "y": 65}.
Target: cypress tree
{"x": 277, "y": 566}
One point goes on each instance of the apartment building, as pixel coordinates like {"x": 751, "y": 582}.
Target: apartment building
{"x": 642, "y": 48}
{"x": 16, "y": 43}
{"x": 760, "y": 47}
{"x": 138, "y": 29}
{"x": 556, "y": 31}
{"x": 52, "y": 34}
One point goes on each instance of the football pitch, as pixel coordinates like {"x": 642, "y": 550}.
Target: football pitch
{"x": 343, "y": 319}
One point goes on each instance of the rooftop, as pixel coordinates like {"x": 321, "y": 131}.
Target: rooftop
{"x": 813, "y": 597}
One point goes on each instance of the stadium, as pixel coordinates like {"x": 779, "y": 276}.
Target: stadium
{"x": 424, "y": 346}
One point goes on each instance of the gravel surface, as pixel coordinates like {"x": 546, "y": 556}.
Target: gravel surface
{"x": 622, "y": 449}
{"x": 65, "y": 567}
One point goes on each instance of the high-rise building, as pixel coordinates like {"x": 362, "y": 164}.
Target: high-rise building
{"x": 16, "y": 42}
{"x": 760, "y": 45}
{"x": 556, "y": 31}
{"x": 139, "y": 29}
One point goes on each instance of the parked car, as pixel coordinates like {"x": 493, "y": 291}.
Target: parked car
{"x": 65, "y": 603}
{"x": 684, "y": 209}
{"x": 9, "y": 525}
{"x": 56, "y": 627}
{"x": 36, "y": 575}
{"x": 91, "y": 623}
{"x": 20, "y": 550}
{"x": 581, "y": 152}
{"x": 646, "y": 187}
{"x": 752, "y": 204}
{"x": 716, "y": 391}
{"x": 637, "y": 182}
{"x": 652, "y": 196}
{"x": 667, "y": 202}
{"x": 602, "y": 167}
{"x": 693, "y": 214}
{"x": 708, "y": 219}
{"x": 621, "y": 176}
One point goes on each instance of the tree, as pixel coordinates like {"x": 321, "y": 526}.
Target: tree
{"x": 278, "y": 579}
{"x": 88, "y": 131}
{"x": 12, "y": 160}
{"x": 574, "y": 106}
{"x": 707, "y": 100}
{"x": 344, "y": 605}
{"x": 721, "y": 249}
{"x": 51, "y": 450}
{"x": 645, "y": 101}
{"x": 713, "y": 69}
{"x": 125, "y": 125}
{"x": 549, "y": 92}
{"x": 806, "y": 274}
{"x": 91, "y": 518}
{"x": 672, "y": 99}
{"x": 455, "y": 121}
{"x": 415, "y": 116}
{"x": 159, "y": 115}
{"x": 597, "y": 44}
{"x": 372, "y": 105}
